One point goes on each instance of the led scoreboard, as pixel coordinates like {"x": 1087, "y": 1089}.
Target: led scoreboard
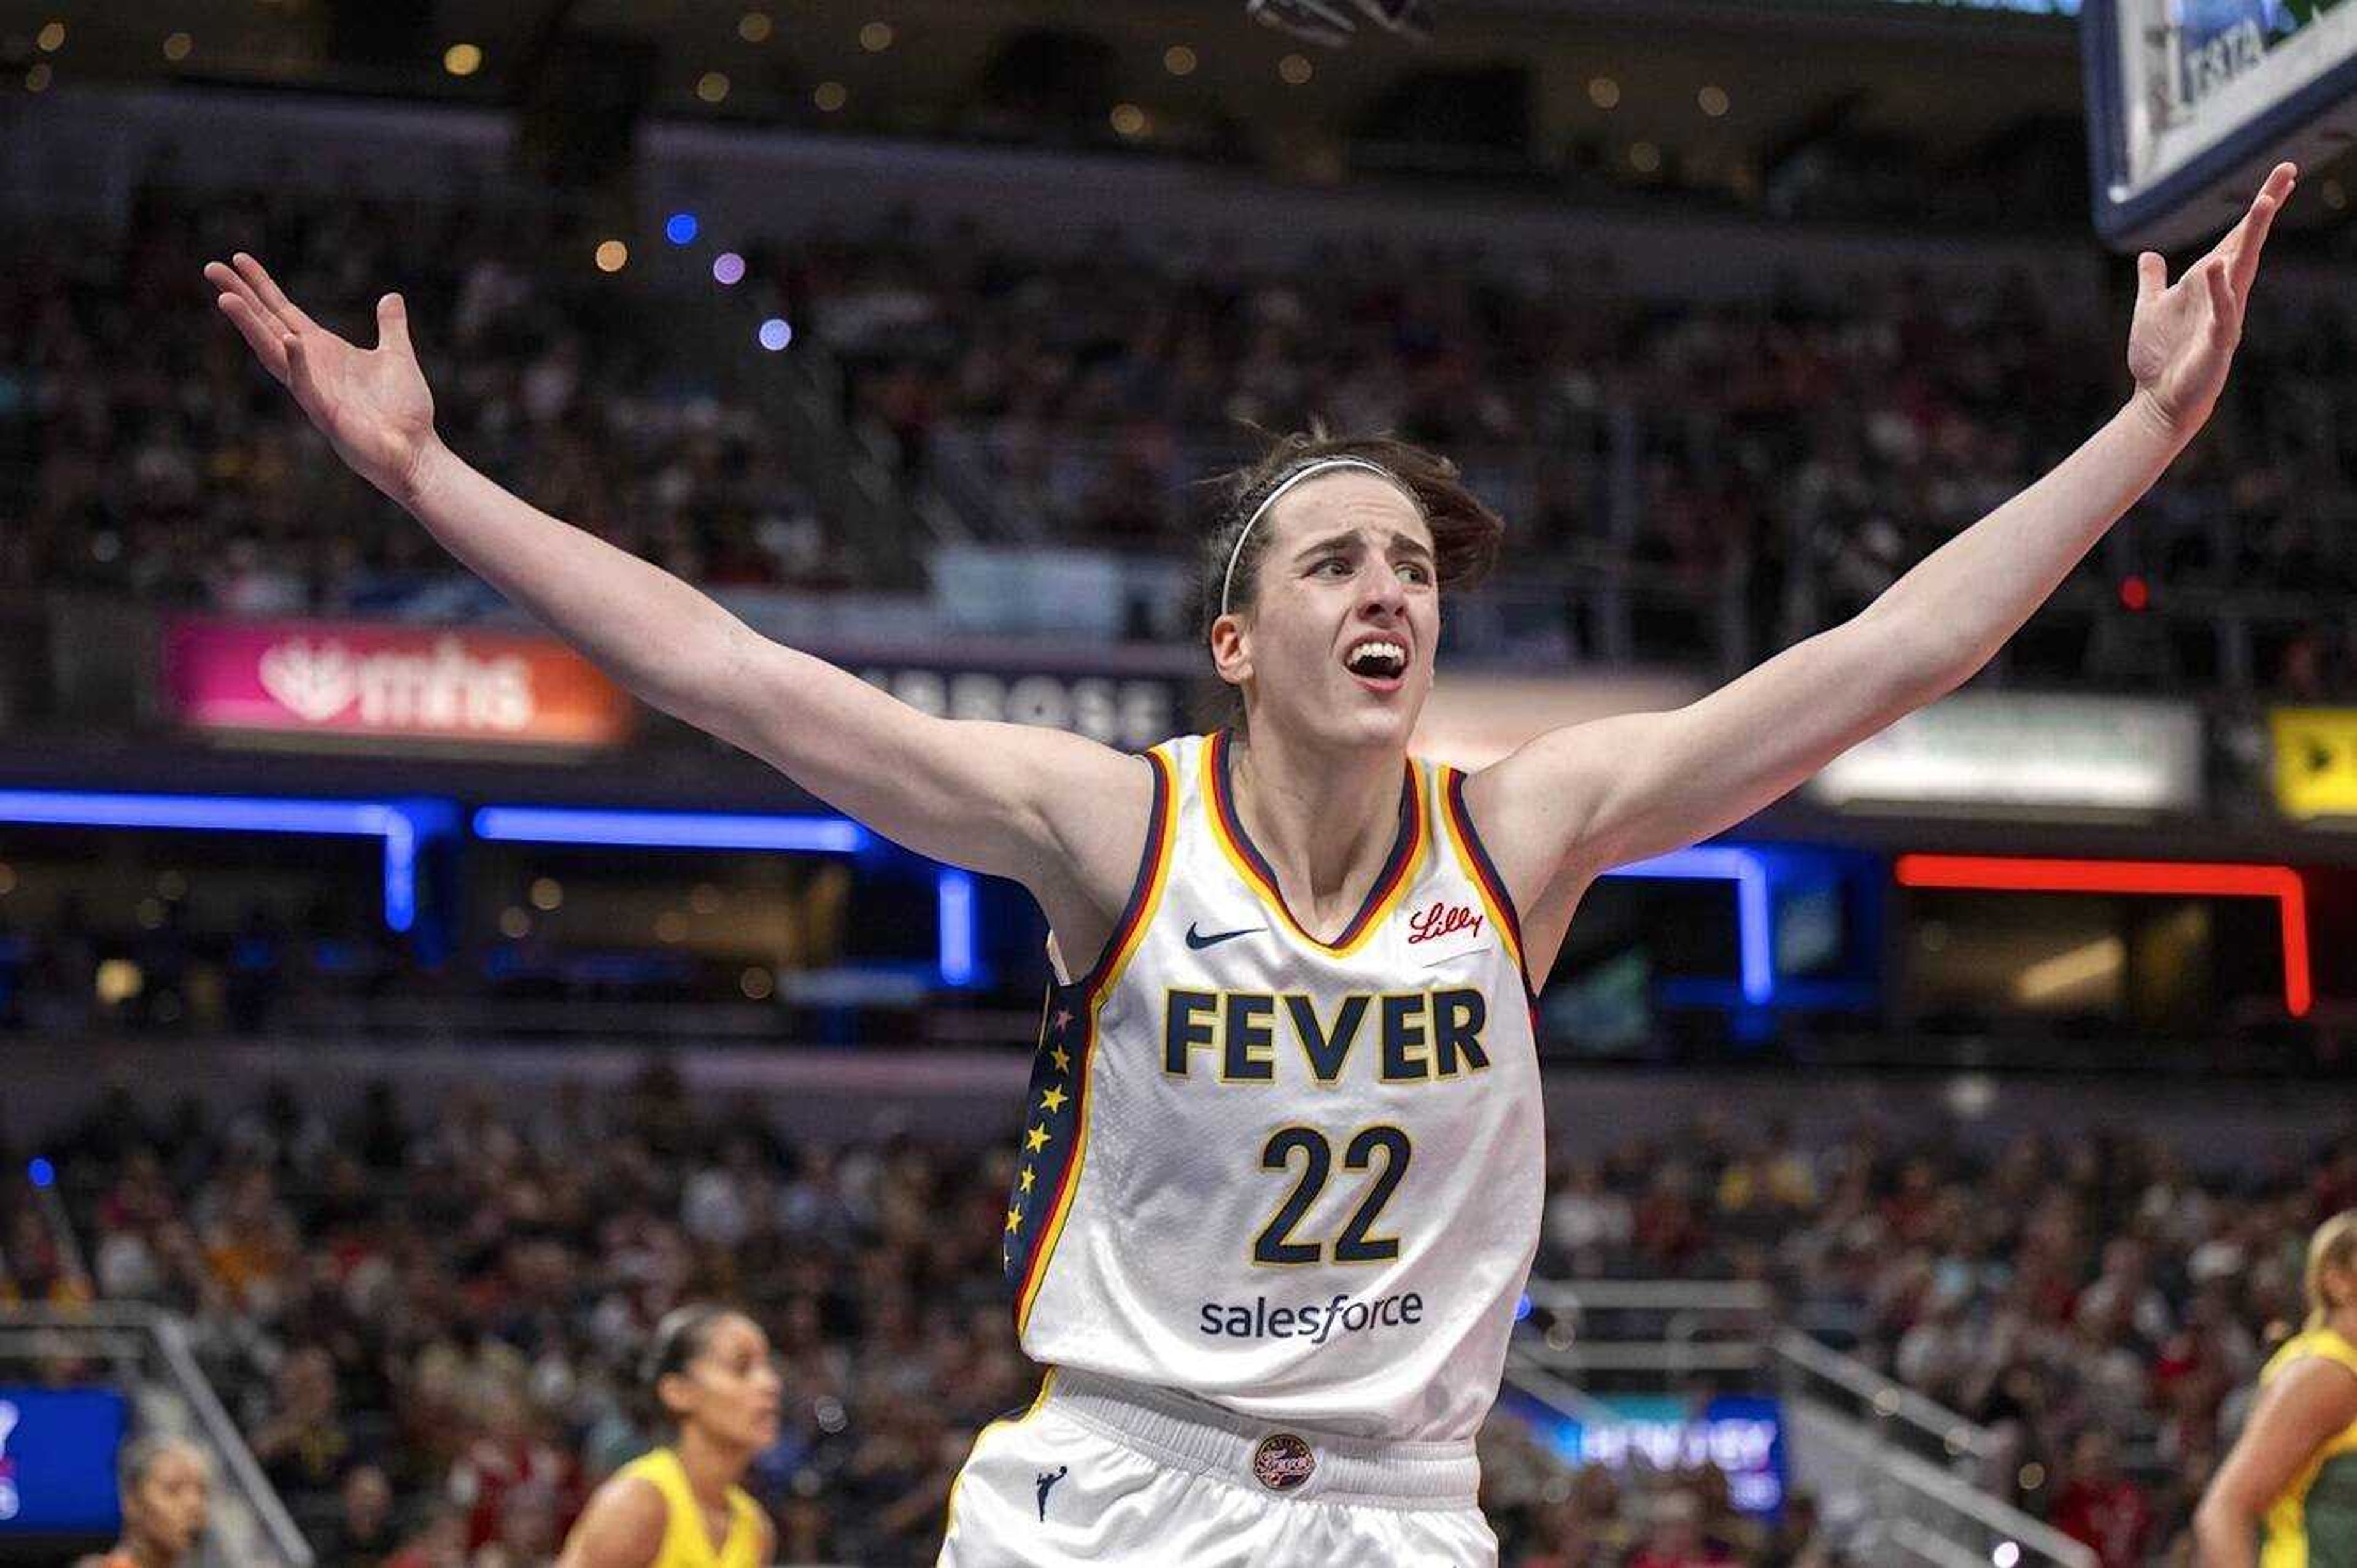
{"x": 2189, "y": 102}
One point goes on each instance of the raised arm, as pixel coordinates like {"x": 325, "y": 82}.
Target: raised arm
{"x": 1581, "y": 799}
{"x": 1057, "y": 811}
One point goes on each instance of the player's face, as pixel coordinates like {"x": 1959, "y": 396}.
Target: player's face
{"x": 1339, "y": 642}
{"x": 732, "y": 1389}
{"x": 170, "y": 1508}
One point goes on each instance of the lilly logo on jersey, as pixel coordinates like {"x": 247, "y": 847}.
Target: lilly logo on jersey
{"x": 1420, "y": 1036}
{"x": 1443, "y": 920}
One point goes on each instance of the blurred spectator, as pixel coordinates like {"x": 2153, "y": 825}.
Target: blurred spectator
{"x": 2101, "y": 1506}
{"x": 362, "y": 1531}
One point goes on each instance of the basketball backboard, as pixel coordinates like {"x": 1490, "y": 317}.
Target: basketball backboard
{"x": 2190, "y": 101}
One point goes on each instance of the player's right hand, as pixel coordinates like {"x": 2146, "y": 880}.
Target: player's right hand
{"x": 373, "y": 404}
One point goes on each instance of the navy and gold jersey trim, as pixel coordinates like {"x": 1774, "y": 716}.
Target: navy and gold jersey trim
{"x": 1483, "y": 872}
{"x": 1398, "y": 870}
{"x": 1056, "y": 1103}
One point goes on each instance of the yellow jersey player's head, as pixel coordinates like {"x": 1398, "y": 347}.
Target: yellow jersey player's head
{"x": 166, "y": 1485}
{"x": 709, "y": 1373}
{"x": 2332, "y": 1270}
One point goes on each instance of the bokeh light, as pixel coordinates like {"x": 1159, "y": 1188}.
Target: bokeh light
{"x": 51, "y": 38}
{"x": 755, "y": 27}
{"x": 876, "y": 38}
{"x": 831, "y": 96}
{"x": 712, "y": 86}
{"x": 1295, "y": 69}
{"x": 177, "y": 47}
{"x": 463, "y": 59}
{"x": 680, "y": 228}
{"x": 1178, "y": 60}
{"x": 1712, "y": 101}
{"x": 774, "y": 334}
{"x": 1604, "y": 93}
{"x": 727, "y": 269}
{"x": 613, "y": 256}
{"x": 1129, "y": 119}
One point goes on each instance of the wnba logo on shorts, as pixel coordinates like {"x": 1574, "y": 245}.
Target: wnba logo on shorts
{"x": 1282, "y": 1462}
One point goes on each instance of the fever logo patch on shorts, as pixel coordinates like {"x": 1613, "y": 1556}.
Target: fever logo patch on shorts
{"x": 1282, "y": 1462}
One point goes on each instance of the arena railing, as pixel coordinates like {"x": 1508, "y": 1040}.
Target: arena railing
{"x": 1682, "y": 1329}
{"x": 147, "y": 1353}
{"x": 1912, "y": 1513}
{"x": 1921, "y": 1466}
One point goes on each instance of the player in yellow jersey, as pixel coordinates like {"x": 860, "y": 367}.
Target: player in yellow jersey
{"x": 683, "y": 1505}
{"x": 2293, "y": 1472}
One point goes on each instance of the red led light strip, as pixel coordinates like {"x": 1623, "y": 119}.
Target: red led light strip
{"x": 1997, "y": 873}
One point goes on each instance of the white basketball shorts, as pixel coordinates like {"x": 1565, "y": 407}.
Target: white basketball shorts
{"x": 1100, "y": 1471}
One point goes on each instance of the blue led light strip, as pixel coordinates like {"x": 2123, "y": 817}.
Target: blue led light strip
{"x": 670, "y": 830}
{"x": 954, "y": 897}
{"x": 1749, "y": 871}
{"x": 955, "y": 952}
{"x": 239, "y": 814}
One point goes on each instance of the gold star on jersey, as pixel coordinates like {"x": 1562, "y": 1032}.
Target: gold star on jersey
{"x": 1051, "y": 1137}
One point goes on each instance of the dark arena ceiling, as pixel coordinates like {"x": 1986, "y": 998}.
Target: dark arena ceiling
{"x": 1700, "y": 92}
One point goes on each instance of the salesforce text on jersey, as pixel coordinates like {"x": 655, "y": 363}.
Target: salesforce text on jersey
{"x": 1314, "y": 1321}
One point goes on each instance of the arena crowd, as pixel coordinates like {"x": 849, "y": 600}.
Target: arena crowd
{"x": 424, "y": 1316}
{"x": 1798, "y": 451}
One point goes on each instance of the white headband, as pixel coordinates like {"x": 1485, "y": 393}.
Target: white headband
{"x": 1307, "y": 471}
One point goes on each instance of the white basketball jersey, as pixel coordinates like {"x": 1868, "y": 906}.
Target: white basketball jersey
{"x": 1298, "y": 1178}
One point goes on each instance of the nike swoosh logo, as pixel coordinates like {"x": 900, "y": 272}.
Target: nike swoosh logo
{"x": 1199, "y": 942}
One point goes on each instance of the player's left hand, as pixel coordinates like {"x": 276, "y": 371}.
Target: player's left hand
{"x": 2183, "y": 336}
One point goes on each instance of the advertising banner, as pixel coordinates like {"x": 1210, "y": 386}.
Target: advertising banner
{"x": 1741, "y": 1435}
{"x": 352, "y": 679}
{"x": 56, "y": 1460}
{"x": 1131, "y": 710}
{"x": 2021, "y": 749}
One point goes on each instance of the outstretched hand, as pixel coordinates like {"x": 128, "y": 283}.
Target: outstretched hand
{"x": 373, "y": 404}
{"x": 2182, "y": 338}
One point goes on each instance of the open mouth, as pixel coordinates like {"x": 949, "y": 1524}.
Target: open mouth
{"x": 1378, "y": 662}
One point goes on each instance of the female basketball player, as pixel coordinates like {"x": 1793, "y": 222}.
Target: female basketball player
{"x": 1280, "y": 1173}
{"x": 2293, "y": 1472}
{"x": 683, "y": 1505}
{"x": 166, "y": 1485}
